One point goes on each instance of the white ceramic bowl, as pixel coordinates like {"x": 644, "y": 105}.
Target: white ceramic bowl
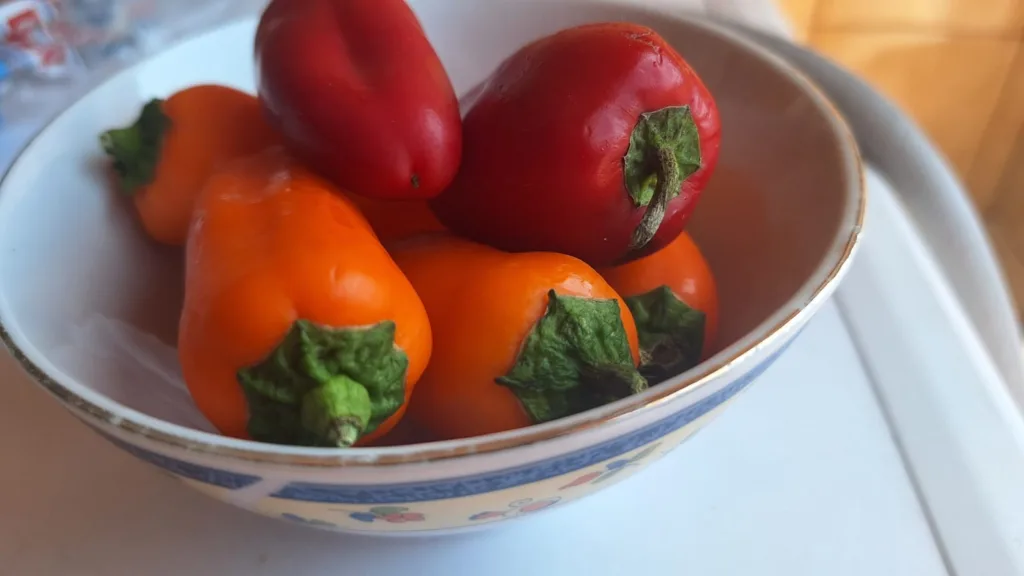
{"x": 89, "y": 307}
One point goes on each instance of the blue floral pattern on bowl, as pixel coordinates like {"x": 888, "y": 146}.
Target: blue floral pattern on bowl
{"x": 517, "y": 508}
{"x": 512, "y": 477}
{"x": 204, "y": 474}
{"x": 611, "y": 469}
{"x": 391, "y": 514}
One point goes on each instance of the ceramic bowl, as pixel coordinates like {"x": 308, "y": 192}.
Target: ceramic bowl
{"x": 89, "y": 307}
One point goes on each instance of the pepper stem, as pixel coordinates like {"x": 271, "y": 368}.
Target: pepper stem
{"x": 337, "y": 412}
{"x": 664, "y": 150}
{"x": 575, "y": 358}
{"x": 135, "y": 150}
{"x": 324, "y": 386}
{"x": 667, "y": 188}
{"x": 671, "y": 333}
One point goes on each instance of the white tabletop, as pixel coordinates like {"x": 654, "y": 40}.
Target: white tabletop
{"x": 799, "y": 477}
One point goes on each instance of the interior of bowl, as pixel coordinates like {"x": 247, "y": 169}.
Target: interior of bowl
{"x": 86, "y": 300}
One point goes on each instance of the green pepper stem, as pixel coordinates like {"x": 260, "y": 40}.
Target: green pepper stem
{"x": 325, "y": 386}
{"x": 346, "y": 434}
{"x": 575, "y": 358}
{"x": 337, "y": 412}
{"x": 671, "y": 333}
{"x": 135, "y": 150}
{"x": 667, "y": 188}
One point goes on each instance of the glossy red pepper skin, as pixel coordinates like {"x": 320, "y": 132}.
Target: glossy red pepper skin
{"x": 359, "y": 94}
{"x": 545, "y": 140}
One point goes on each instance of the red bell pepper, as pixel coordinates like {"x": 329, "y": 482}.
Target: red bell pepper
{"x": 595, "y": 142}
{"x": 359, "y": 94}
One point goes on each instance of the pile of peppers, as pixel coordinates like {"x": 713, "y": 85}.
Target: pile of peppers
{"x": 363, "y": 260}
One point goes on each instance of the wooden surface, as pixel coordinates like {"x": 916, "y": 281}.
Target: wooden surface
{"x": 957, "y": 67}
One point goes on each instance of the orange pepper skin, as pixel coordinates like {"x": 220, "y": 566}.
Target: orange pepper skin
{"x": 482, "y": 304}
{"x": 681, "y": 268}
{"x": 272, "y": 244}
{"x": 184, "y": 139}
{"x": 394, "y": 220}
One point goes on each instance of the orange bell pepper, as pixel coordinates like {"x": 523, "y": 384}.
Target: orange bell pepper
{"x": 519, "y": 339}
{"x": 297, "y": 327}
{"x": 674, "y": 300}
{"x": 165, "y": 157}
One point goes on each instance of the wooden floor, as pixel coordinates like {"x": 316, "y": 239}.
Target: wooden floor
{"x": 956, "y": 66}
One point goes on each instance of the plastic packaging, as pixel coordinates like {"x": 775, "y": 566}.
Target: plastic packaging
{"x": 52, "y": 50}
{"x": 100, "y": 29}
{"x": 29, "y": 46}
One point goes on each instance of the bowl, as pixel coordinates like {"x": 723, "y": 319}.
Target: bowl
{"x": 89, "y": 307}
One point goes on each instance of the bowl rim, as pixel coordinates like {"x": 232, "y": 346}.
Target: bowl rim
{"x": 813, "y": 291}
